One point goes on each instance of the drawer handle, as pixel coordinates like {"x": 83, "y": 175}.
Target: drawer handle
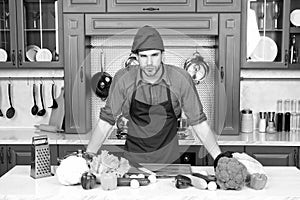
{"x": 151, "y": 9}
{"x": 9, "y": 155}
{"x": 2, "y": 156}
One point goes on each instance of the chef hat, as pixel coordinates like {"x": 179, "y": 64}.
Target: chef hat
{"x": 147, "y": 38}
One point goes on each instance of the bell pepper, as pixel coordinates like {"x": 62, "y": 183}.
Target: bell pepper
{"x": 88, "y": 180}
{"x": 257, "y": 181}
{"x": 108, "y": 181}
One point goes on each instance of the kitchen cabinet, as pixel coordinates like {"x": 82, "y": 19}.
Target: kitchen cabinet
{"x": 265, "y": 35}
{"x": 151, "y": 6}
{"x": 294, "y": 36}
{"x": 227, "y": 89}
{"x": 219, "y": 6}
{"x": 80, "y": 6}
{"x": 77, "y": 59}
{"x": 274, "y": 156}
{"x": 11, "y": 155}
{"x": 31, "y": 34}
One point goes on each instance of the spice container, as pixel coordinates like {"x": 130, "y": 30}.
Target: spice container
{"x": 262, "y": 122}
{"x": 279, "y": 116}
{"x": 246, "y": 121}
{"x": 287, "y": 115}
{"x": 293, "y": 122}
{"x": 271, "y": 124}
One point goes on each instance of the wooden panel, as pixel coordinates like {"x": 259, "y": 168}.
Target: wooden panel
{"x": 274, "y": 156}
{"x": 151, "y": 6}
{"x": 219, "y": 6}
{"x": 84, "y": 6}
{"x": 206, "y": 24}
{"x": 64, "y": 150}
{"x": 229, "y": 66}
{"x": 77, "y": 72}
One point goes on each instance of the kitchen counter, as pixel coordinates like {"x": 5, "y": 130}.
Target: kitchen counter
{"x": 283, "y": 183}
{"x": 23, "y": 136}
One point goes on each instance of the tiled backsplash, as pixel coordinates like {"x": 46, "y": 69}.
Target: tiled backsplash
{"x": 260, "y": 89}
{"x": 22, "y": 100}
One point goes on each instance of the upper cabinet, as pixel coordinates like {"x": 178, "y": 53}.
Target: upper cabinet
{"x": 294, "y": 37}
{"x": 31, "y": 34}
{"x": 151, "y": 6}
{"x": 219, "y": 6}
{"x": 267, "y": 34}
{"x": 84, "y": 6}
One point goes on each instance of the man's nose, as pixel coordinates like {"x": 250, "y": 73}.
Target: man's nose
{"x": 149, "y": 61}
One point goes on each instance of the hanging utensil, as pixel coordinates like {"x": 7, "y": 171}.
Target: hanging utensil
{"x": 43, "y": 54}
{"x": 54, "y": 103}
{"x": 10, "y": 111}
{"x": 131, "y": 61}
{"x": 101, "y": 81}
{"x": 43, "y": 111}
{"x": 196, "y": 67}
{"x": 34, "y": 108}
{"x": 1, "y": 113}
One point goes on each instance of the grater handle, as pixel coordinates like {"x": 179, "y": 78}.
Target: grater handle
{"x": 37, "y": 140}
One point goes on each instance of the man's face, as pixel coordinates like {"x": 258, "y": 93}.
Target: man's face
{"x": 150, "y": 62}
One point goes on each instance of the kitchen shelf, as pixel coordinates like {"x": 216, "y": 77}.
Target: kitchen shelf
{"x": 294, "y": 29}
{"x": 38, "y": 30}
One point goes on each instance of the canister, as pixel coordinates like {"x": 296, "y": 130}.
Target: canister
{"x": 246, "y": 121}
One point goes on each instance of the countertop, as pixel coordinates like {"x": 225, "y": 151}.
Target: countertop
{"x": 283, "y": 183}
{"x": 24, "y": 136}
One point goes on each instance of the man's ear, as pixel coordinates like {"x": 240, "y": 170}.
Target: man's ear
{"x": 163, "y": 58}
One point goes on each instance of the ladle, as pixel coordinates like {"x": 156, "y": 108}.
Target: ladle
{"x": 54, "y": 104}
{"x": 34, "y": 108}
{"x": 10, "y": 111}
{"x": 43, "y": 111}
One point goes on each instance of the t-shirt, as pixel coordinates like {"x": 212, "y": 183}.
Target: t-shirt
{"x": 184, "y": 95}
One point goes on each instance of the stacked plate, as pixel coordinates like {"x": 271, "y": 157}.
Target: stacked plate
{"x": 3, "y": 55}
{"x": 31, "y": 51}
{"x": 265, "y": 51}
{"x": 295, "y": 17}
{"x": 35, "y": 53}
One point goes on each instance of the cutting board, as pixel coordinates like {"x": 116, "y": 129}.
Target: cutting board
{"x": 58, "y": 114}
{"x": 164, "y": 170}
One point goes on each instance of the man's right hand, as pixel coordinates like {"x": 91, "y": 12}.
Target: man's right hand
{"x": 227, "y": 154}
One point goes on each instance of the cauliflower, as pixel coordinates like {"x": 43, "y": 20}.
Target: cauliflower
{"x": 230, "y": 173}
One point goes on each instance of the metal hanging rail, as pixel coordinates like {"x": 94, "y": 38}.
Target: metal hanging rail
{"x": 270, "y": 78}
{"x": 32, "y": 78}
{"x": 166, "y": 46}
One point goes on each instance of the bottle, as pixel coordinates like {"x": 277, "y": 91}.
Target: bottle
{"x": 287, "y": 115}
{"x": 247, "y": 121}
{"x": 293, "y": 50}
{"x": 271, "y": 124}
{"x": 279, "y": 116}
{"x": 293, "y": 122}
{"x": 298, "y": 117}
{"x": 262, "y": 122}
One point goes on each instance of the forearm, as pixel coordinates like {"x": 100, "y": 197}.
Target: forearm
{"x": 207, "y": 137}
{"x": 99, "y": 134}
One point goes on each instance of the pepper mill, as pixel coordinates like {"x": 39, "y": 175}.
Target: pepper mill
{"x": 262, "y": 122}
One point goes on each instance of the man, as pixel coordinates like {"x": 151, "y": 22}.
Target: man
{"x": 151, "y": 96}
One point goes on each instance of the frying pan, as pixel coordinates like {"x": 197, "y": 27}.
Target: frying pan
{"x": 131, "y": 61}
{"x": 197, "y": 67}
{"x": 101, "y": 81}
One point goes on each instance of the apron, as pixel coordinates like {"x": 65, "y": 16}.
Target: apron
{"x": 152, "y": 132}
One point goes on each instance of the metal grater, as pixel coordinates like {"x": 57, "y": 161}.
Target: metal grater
{"x": 40, "y": 157}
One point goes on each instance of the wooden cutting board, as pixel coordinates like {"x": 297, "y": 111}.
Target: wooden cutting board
{"x": 58, "y": 114}
{"x": 164, "y": 170}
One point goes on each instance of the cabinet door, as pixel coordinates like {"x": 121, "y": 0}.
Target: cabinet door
{"x": 64, "y": 150}
{"x": 151, "y": 6}
{"x": 265, "y": 34}
{"x": 294, "y": 37}
{"x": 21, "y": 155}
{"x": 208, "y": 160}
{"x": 3, "y": 160}
{"x": 227, "y": 103}
{"x": 84, "y": 6}
{"x": 274, "y": 156}
{"x": 77, "y": 93}
{"x": 219, "y": 6}
{"x": 39, "y": 25}
{"x": 8, "y": 35}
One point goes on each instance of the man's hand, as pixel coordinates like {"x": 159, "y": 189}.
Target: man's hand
{"x": 227, "y": 154}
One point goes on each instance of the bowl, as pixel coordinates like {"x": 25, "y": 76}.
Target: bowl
{"x": 266, "y": 50}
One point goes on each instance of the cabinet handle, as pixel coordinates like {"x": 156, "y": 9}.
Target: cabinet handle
{"x": 2, "y": 155}
{"x": 9, "y": 155}
{"x": 20, "y": 57}
{"x": 151, "y": 9}
{"x": 295, "y": 157}
{"x": 81, "y": 74}
{"x": 286, "y": 57}
{"x": 222, "y": 74}
{"x": 13, "y": 57}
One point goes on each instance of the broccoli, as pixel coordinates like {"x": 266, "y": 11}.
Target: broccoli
{"x": 230, "y": 173}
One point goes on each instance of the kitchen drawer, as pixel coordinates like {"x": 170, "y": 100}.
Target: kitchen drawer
{"x": 219, "y": 6}
{"x": 84, "y": 6}
{"x": 151, "y": 6}
{"x": 167, "y": 24}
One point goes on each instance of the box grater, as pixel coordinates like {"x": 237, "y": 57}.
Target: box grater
{"x": 40, "y": 157}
